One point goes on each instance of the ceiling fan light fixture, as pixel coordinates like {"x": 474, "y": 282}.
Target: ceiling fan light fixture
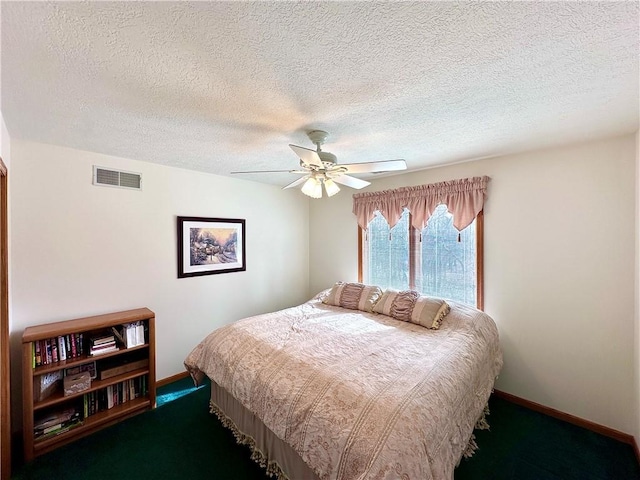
{"x": 312, "y": 188}
{"x": 331, "y": 187}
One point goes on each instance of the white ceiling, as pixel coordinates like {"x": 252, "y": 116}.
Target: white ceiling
{"x": 224, "y": 86}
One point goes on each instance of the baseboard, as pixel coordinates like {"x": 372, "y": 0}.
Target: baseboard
{"x": 581, "y": 422}
{"x": 171, "y": 379}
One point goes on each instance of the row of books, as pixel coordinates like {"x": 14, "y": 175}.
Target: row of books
{"x": 56, "y": 423}
{"x": 70, "y": 346}
{"x": 57, "y": 349}
{"x": 130, "y": 335}
{"x": 60, "y": 421}
{"x": 112, "y": 395}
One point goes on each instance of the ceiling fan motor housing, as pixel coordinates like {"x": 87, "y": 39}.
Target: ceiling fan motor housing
{"x": 327, "y": 157}
{"x": 318, "y": 137}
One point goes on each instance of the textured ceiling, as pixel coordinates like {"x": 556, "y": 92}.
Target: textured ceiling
{"x": 224, "y": 86}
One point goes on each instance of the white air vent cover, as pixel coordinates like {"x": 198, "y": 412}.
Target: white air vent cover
{"x": 116, "y": 178}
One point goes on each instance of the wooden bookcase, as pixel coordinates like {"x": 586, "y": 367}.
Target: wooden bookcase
{"x": 138, "y": 399}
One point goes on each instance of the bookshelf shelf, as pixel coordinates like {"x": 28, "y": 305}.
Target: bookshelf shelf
{"x": 94, "y": 423}
{"x": 111, "y": 400}
{"x": 59, "y": 397}
{"x": 82, "y": 360}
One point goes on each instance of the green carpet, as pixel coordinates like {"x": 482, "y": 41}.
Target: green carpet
{"x": 180, "y": 439}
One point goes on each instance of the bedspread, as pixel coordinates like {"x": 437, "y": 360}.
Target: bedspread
{"x": 359, "y": 395}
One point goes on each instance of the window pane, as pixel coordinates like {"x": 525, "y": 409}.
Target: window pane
{"x": 388, "y": 259}
{"x": 448, "y": 266}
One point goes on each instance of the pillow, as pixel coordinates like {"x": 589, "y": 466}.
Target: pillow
{"x": 321, "y": 295}
{"x": 355, "y": 296}
{"x": 410, "y": 306}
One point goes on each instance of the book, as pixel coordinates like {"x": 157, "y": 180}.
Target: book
{"x": 118, "y": 336}
{"x": 67, "y": 345}
{"x": 54, "y": 350}
{"x": 131, "y": 341}
{"x": 133, "y": 334}
{"x": 74, "y": 353}
{"x": 80, "y": 344}
{"x": 37, "y": 359}
{"x": 101, "y": 340}
{"x": 92, "y": 403}
{"x": 140, "y": 333}
{"x": 62, "y": 348}
{"x": 100, "y": 351}
{"x": 109, "y": 396}
{"x": 46, "y": 352}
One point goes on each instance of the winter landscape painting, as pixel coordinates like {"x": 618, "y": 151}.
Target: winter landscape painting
{"x": 210, "y": 245}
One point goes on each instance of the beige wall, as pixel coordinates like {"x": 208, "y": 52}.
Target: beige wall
{"x": 559, "y": 270}
{"x": 5, "y": 142}
{"x": 80, "y": 249}
{"x": 559, "y": 239}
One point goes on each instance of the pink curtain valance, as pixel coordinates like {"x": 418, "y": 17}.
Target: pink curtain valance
{"x": 464, "y": 199}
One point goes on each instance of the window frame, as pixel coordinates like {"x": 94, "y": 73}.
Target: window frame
{"x": 414, "y": 234}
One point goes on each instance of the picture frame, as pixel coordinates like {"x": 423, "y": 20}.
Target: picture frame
{"x": 85, "y": 367}
{"x": 208, "y": 246}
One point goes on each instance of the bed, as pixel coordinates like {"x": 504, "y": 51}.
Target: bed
{"x": 319, "y": 391}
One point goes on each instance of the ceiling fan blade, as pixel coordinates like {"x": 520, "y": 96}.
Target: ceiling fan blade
{"x": 297, "y": 182}
{"x": 352, "y": 182}
{"x": 375, "y": 167}
{"x": 310, "y": 157}
{"x": 270, "y": 171}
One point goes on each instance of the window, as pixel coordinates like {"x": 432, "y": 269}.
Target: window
{"x": 440, "y": 265}
{"x": 448, "y": 265}
{"x": 426, "y": 238}
{"x": 387, "y": 263}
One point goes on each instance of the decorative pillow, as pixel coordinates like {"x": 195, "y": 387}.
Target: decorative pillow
{"x": 355, "y": 296}
{"x": 410, "y": 306}
{"x": 321, "y": 295}
{"x": 429, "y": 312}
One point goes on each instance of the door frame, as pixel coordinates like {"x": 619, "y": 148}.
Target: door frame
{"x": 5, "y": 376}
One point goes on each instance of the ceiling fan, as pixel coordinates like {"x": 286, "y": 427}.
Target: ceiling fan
{"x": 321, "y": 168}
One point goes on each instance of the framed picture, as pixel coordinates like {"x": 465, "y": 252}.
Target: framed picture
{"x": 210, "y": 245}
{"x": 85, "y": 367}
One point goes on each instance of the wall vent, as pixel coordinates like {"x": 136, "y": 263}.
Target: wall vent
{"x": 116, "y": 178}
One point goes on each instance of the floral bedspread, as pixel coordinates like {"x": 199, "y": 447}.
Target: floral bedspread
{"x": 359, "y": 395}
